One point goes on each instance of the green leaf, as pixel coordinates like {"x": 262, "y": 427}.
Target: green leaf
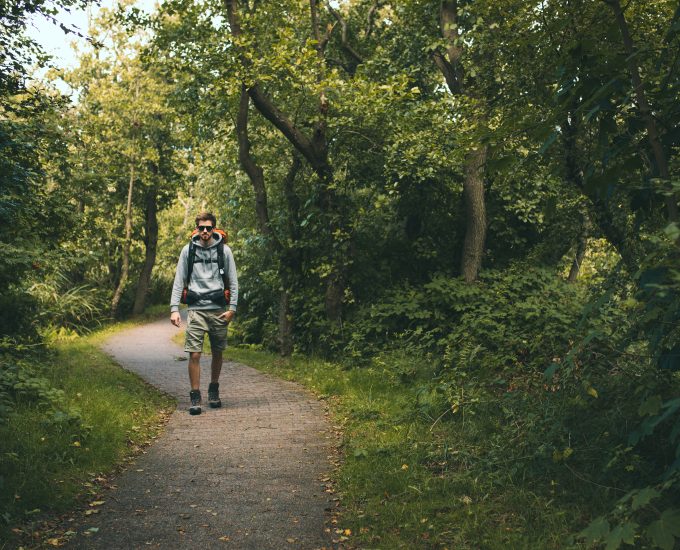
{"x": 672, "y": 519}
{"x": 660, "y": 535}
{"x": 644, "y": 497}
{"x": 650, "y": 406}
{"x": 550, "y": 371}
{"x": 360, "y": 453}
{"x": 597, "y": 530}
{"x": 672, "y": 231}
{"x": 621, "y": 533}
{"x": 592, "y": 112}
{"x": 548, "y": 142}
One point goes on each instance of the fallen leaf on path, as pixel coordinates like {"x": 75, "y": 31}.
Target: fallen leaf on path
{"x": 97, "y": 503}
{"x": 55, "y": 542}
{"x": 225, "y": 539}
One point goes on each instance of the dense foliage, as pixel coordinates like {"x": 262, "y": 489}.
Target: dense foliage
{"x": 488, "y": 190}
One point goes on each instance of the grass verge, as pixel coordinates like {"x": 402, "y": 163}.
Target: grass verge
{"x": 414, "y": 476}
{"x": 91, "y": 416}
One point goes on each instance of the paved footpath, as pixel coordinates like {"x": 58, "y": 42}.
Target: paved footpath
{"x": 247, "y": 475}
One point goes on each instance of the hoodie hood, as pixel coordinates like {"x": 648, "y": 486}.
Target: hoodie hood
{"x": 216, "y": 238}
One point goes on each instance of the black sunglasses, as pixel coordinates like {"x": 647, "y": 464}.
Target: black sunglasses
{"x": 202, "y": 228}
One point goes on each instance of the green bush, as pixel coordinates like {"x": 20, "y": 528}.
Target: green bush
{"x": 22, "y": 382}
{"x": 520, "y": 318}
{"x": 79, "y": 308}
{"x": 18, "y": 312}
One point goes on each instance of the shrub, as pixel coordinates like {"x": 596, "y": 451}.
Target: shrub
{"x": 77, "y": 308}
{"x": 21, "y": 381}
{"x": 520, "y": 318}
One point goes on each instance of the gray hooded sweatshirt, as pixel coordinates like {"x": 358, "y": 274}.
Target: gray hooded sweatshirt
{"x": 206, "y": 276}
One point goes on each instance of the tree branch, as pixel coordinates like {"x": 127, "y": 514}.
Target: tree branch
{"x": 297, "y": 138}
{"x": 315, "y": 20}
{"x": 370, "y": 17}
{"x": 452, "y": 69}
{"x": 645, "y": 109}
{"x": 273, "y": 114}
{"x": 448, "y": 71}
{"x": 344, "y": 42}
{"x": 254, "y": 171}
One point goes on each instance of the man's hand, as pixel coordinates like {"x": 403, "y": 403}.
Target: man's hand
{"x": 175, "y": 319}
{"x": 228, "y": 315}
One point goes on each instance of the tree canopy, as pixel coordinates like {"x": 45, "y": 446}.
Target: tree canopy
{"x": 488, "y": 186}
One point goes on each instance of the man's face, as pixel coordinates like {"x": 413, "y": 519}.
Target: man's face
{"x": 205, "y": 230}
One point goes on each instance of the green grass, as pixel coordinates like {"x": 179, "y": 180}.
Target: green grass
{"x": 48, "y": 463}
{"x": 410, "y": 479}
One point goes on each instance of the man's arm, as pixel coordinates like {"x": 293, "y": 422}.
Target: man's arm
{"x": 231, "y": 277}
{"x": 178, "y": 286}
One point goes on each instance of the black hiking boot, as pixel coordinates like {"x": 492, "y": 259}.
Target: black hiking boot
{"x": 195, "y": 396}
{"x": 214, "y": 395}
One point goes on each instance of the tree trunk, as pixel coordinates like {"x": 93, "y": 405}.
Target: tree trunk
{"x": 475, "y": 160}
{"x": 581, "y": 247}
{"x": 645, "y": 110}
{"x": 285, "y": 322}
{"x": 151, "y": 244}
{"x": 125, "y": 269}
{"x": 285, "y": 258}
{"x": 315, "y": 150}
{"x": 475, "y": 214}
{"x": 600, "y": 213}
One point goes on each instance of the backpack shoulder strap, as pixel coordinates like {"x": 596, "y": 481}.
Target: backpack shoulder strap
{"x": 220, "y": 261}
{"x": 190, "y": 261}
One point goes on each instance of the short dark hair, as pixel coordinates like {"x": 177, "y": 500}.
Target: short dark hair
{"x": 206, "y": 216}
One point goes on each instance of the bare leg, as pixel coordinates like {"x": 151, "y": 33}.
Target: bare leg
{"x": 216, "y": 366}
{"x": 195, "y": 369}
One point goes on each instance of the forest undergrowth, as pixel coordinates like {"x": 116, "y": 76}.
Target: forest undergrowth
{"x": 521, "y": 413}
{"x": 501, "y": 471}
{"x": 461, "y": 218}
{"x": 70, "y": 417}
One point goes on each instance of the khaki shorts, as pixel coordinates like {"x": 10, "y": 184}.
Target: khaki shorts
{"x": 200, "y": 321}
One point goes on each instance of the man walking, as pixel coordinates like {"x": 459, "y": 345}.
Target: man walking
{"x": 206, "y": 281}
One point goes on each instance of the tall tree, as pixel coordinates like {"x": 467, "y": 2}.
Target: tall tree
{"x": 124, "y": 111}
{"x": 451, "y": 66}
{"x": 314, "y": 148}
